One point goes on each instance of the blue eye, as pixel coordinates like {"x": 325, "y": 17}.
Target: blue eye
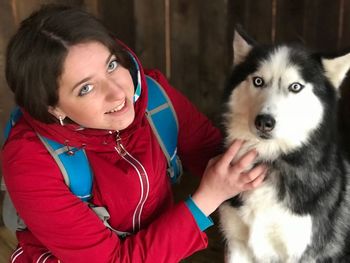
{"x": 295, "y": 87}
{"x": 112, "y": 65}
{"x": 85, "y": 89}
{"x": 258, "y": 82}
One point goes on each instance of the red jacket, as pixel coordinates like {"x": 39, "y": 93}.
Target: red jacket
{"x": 60, "y": 226}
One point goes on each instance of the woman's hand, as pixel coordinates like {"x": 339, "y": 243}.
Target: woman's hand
{"x": 223, "y": 179}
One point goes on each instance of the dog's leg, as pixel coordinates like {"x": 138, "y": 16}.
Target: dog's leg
{"x": 282, "y": 240}
{"x": 238, "y": 252}
{"x": 236, "y": 234}
{"x": 264, "y": 248}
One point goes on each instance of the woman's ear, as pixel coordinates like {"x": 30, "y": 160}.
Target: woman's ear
{"x": 57, "y": 112}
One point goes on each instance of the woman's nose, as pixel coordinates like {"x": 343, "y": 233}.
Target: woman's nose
{"x": 113, "y": 90}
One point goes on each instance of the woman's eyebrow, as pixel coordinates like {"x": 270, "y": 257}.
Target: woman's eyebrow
{"x": 109, "y": 58}
{"x": 88, "y": 78}
{"x": 81, "y": 82}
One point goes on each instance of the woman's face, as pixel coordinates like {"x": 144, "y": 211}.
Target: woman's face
{"x": 95, "y": 91}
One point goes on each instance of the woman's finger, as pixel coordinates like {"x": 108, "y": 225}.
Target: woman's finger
{"x": 257, "y": 180}
{"x": 254, "y": 173}
{"x": 244, "y": 162}
{"x": 230, "y": 153}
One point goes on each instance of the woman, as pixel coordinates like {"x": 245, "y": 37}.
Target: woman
{"x": 76, "y": 85}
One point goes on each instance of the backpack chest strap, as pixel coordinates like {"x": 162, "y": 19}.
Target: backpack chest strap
{"x": 74, "y": 166}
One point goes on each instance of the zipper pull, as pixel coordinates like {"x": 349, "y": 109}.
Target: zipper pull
{"x": 119, "y": 148}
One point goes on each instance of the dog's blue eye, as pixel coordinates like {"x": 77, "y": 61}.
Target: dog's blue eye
{"x": 295, "y": 87}
{"x": 258, "y": 82}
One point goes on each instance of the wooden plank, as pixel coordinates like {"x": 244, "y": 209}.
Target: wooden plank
{"x": 256, "y": 17}
{"x": 22, "y": 9}
{"x": 236, "y": 16}
{"x": 259, "y": 20}
{"x": 92, "y": 6}
{"x": 215, "y": 56}
{"x": 25, "y": 8}
{"x": 118, "y": 16}
{"x": 289, "y": 21}
{"x": 238, "y": 13}
{"x": 321, "y": 24}
{"x": 150, "y": 33}
{"x": 344, "y": 41}
{"x": 185, "y": 47}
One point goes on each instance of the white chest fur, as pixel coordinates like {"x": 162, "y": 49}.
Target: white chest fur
{"x": 263, "y": 230}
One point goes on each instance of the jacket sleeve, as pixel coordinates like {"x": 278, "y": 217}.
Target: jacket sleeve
{"x": 198, "y": 139}
{"x": 62, "y": 227}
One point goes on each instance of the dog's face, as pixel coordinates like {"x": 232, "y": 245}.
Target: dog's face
{"x": 278, "y": 96}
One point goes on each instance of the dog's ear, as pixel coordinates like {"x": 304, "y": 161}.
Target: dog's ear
{"x": 336, "y": 68}
{"x": 242, "y": 44}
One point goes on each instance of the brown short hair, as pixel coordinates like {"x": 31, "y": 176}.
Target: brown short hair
{"x": 36, "y": 53}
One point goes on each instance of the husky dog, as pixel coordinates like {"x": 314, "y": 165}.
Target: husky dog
{"x": 282, "y": 101}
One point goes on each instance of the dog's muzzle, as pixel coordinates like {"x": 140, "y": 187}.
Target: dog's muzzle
{"x": 264, "y": 123}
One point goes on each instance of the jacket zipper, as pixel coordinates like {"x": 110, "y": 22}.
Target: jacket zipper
{"x": 143, "y": 177}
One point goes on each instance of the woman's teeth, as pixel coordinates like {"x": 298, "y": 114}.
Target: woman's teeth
{"x": 118, "y": 108}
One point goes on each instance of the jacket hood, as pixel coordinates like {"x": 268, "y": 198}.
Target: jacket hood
{"x": 74, "y": 135}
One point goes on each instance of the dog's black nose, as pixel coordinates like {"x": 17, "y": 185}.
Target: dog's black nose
{"x": 265, "y": 122}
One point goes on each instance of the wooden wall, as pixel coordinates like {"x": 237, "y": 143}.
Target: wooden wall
{"x": 190, "y": 41}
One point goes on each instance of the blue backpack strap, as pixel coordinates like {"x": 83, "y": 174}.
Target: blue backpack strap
{"x": 74, "y": 166}
{"x": 73, "y": 162}
{"x": 163, "y": 120}
{"x": 14, "y": 117}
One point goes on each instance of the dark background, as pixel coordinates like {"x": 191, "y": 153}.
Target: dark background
{"x": 190, "y": 41}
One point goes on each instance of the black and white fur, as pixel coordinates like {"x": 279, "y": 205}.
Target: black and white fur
{"x": 282, "y": 100}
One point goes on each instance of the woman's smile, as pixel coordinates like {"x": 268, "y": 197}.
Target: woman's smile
{"x": 118, "y": 108}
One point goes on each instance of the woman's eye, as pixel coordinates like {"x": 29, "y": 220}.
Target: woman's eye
{"x": 295, "y": 87}
{"x": 112, "y": 65}
{"x": 85, "y": 89}
{"x": 258, "y": 82}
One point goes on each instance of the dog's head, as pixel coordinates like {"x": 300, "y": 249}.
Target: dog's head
{"x": 278, "y": 96}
